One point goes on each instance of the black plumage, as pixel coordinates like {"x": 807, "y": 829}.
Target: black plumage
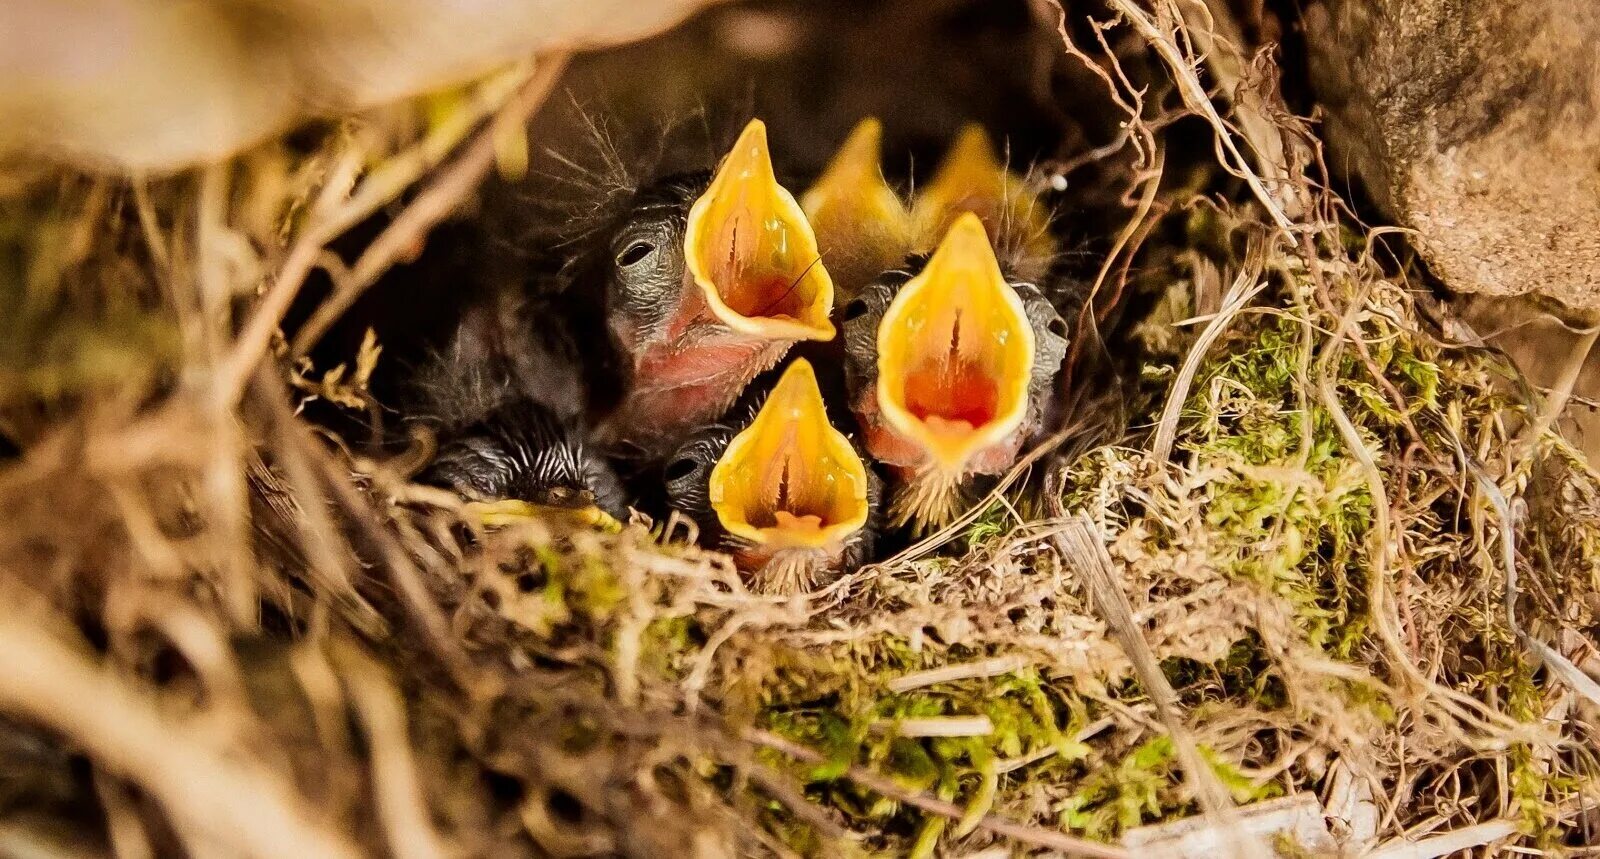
{"x": 506, "y": 400}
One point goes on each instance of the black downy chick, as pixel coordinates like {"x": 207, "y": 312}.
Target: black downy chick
{"x": 505, "y": 399}
{"x": 781, "y": 490}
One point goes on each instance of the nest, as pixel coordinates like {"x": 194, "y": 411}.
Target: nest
{"x": 1331, "y": 583}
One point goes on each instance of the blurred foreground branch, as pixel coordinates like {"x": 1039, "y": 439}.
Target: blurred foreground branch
{"x": 213, "y": 798}
{"x": 146, "y": 85}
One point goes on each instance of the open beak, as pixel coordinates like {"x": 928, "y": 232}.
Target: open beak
{"x": 971, "y": 178}
{"x": 513, "y": 511}
{"x": 955, "y": 352}
{"x": 791, "y": 480}
{"x": 752, "y": 252}
{"x": 861, "y": 225}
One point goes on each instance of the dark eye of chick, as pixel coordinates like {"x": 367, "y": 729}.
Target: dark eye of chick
{"x": 471, "y": 470}
{"x": 1058, "y": 327}
{"x": 680, "y": 468}
{"x": 855, "y": 309}
{"x": 635, "y": 253}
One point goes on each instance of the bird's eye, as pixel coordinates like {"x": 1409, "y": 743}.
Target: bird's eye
{"x": 855, "y": 309}
{"x": 635, "y": 253}
{"x": 1058, "y": 327}
{"x": 680, "y": 468}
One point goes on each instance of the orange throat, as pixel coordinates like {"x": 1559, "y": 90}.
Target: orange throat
{"x": 790, "y": 480}
{"x": 955, "y": 354}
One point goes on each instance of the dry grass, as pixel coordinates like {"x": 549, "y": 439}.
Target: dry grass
{"x": 1320, "y": 561}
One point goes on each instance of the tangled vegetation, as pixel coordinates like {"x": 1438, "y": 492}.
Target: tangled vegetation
{"x": 1338, "y": 555}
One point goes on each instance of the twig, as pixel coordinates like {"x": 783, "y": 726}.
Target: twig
{"x": 210, "y": 794}
{"x": 20, "y": 840}
{"x": 993, "y": 667}
{"x": 1135, "y": 129}
{"x": 1151, "y": 180}
{"x": 1012, "y": 764}
{"x": 782, "y": 788}
{"x": 1455, "y": 841}
{"x": 327, "y": 555}
{"x": 1220, "y": 41}
{"x": 1559, "y": 665}
{"x": 1246, "y": 286}
{"x": 936, "y": 726}
{"x": 441, "y": 197}
{"x": 223, "y": 484}
{"x": 331, "y": 214}
{"x": 1560, "y": 394}
{"x": 1097, "y": 309}
{"x": 125, "y": 831}
{"x": 403, "y": 575}
{"x": 1081, "y": 548}
{"x": 256, "y": 337}
{"x": 398, "y": 792}
{"x": 150, "y": 226}
{"x": 1194, "y": 95}
{"x": 1066, "y": 844}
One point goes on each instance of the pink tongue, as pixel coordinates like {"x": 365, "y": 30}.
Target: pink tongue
{"x": 940, "y": 425}
{"x": 787, "y": 521}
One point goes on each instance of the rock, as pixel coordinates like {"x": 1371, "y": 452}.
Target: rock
{"x": 1477, "y": 123}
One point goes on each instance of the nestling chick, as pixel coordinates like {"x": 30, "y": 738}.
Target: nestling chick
{"x": 505, "y": 400}
{"x": 950, "y": 370}
{"x": 973, "y": 179}
{"x": 784, "y": 492}
{"x": 708, "y": 285}
{"x": 522, "y": 452}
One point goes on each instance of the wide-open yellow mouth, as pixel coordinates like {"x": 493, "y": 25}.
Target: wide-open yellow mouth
{"x": 861, "y": 225}
{"x": 971, "y": 178}
{"x": 955, "y": 352}
{"x": 791, "y": 480}
{"x": 752, "y": 252}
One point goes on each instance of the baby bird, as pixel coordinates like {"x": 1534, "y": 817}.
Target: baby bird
{"x": 505, "y": 400}
{"x": 863, "y": 228}
{"x": 783, "y": 491}
{"x": 522, "y": 459}
{"x": 972, "y": 179}
{"x": 949, "y": 368}
{"x": 708, "y": 285}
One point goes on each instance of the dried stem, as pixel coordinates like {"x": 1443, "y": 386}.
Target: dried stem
{"x": 1182, "y": 66}
{"x": 443, "y": 194}
{"x": 213, "y": 796}
{"x": 1081, "y": 548}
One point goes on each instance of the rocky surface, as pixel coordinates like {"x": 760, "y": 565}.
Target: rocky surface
{"x": 1474, "y": 122}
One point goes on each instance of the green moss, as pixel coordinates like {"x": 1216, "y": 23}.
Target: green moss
{"x": 1290, "y": 509}
{"x": 855, "y": 724}
{"x": 1143, "y": 786}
